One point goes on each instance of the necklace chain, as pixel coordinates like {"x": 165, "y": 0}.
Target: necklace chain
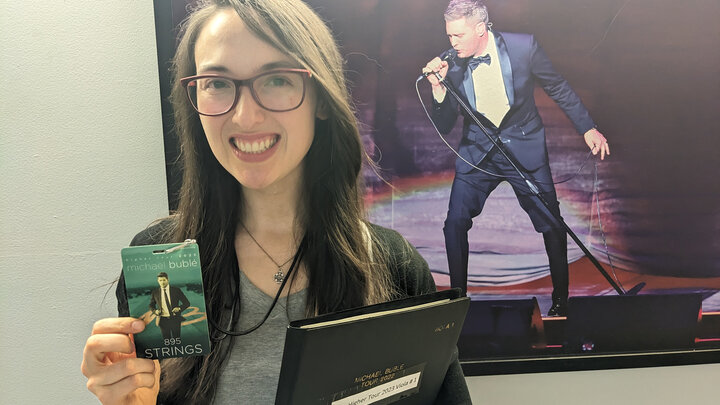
{"x": 279, "y": 276}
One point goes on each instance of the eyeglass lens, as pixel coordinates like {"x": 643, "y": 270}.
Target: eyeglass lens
{"x": 275, "y": 91}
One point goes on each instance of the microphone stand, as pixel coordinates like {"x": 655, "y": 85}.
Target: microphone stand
{"x": 536, "y": 192}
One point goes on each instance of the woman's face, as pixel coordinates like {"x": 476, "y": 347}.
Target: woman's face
{"x": 260, "y": 148}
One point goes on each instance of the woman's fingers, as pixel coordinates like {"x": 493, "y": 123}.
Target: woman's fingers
{"x": 132, "y": 390}
{"x": 109, "y": 342}
{"x": 118, "y": 372}
{"x": 98, "y": 346}
{"x": 125, "y": 325}
{"x": 122, "y": 378}
{"x": 114, "y": 374}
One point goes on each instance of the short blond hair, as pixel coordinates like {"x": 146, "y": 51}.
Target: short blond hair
{"x": 470, "y": 9}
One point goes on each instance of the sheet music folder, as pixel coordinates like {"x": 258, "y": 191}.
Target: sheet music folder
{"x": 398, "y": 351}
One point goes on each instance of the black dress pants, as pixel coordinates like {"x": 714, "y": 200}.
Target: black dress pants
{"x": 467, "y": 199}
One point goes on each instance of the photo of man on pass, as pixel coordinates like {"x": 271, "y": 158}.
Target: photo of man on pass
{"x": 168, "y": 304}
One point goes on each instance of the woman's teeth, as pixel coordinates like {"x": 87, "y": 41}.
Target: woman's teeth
{"x": 256, "y": 146}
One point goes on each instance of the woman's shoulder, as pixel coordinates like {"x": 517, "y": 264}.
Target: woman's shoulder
{"x": 410, "y": 272}
{"x": 395, "y": 246}
{"x": 157, "y": 231}
{"x": 387, "y": 236}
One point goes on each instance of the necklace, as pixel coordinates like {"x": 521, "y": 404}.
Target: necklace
{"x": 236, "y": 300}
{"x": 279, "y": 276}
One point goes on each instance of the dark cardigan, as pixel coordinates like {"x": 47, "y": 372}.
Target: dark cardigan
{"x": 410, "y": 274}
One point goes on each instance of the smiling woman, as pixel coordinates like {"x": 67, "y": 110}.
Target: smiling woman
{"x": 271, "y": 159}
{"x": 258, "y": 146}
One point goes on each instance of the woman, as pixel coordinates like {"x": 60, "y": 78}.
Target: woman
{"x": 272, "y": 157}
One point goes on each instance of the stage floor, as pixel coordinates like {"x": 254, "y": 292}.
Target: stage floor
{"x": 586, "y": 280}
{"x": 506, "y": 258}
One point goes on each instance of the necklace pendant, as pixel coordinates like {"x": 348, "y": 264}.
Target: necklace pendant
{"x": 279, "y": 276}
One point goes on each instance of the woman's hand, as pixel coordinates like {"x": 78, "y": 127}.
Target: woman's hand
{"x": 115, "y": 375}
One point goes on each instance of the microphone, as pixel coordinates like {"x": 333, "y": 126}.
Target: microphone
{"x": 447, "y": 56}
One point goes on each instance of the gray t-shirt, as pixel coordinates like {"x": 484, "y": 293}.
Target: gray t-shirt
{"x": 250, "y": 375}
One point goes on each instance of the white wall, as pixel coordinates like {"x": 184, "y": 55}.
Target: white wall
{"x": 688, "y": 385}
{"x": 81, "y": 170}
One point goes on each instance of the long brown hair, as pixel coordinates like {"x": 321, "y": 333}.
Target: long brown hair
{"x": 346, "y": 267}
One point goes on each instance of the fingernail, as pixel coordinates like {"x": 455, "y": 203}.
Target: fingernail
{"x": 137, "y": 326}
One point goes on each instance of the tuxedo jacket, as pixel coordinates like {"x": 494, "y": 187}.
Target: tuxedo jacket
{"x": 177, "y": 299}
{"x": 523, "y": 64}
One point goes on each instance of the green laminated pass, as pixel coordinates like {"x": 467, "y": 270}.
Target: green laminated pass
{"x": 164, "y": 289}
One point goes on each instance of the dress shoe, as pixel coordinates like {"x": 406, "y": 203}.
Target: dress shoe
{"x": 558, "y": 308}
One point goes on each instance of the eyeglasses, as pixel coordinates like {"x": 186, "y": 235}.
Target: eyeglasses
{"x": 277, "y": 90}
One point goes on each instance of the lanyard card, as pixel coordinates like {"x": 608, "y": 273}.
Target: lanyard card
{"x": 164, "y": 289}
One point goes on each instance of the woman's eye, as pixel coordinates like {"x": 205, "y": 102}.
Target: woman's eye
{"x": 277, "y": 81}
{"x": 214, "y": 85}
{"x": 218, "y": 84}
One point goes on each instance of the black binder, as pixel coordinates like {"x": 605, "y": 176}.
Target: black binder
{"x": 398, "y": 351}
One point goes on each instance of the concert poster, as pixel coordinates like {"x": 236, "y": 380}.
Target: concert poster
{"x": 649, "y": 212}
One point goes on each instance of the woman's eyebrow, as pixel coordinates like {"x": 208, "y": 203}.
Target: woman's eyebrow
{"x": 266, "y": 67}
{"x": 278, "y": 65}
{"x": 213, "y": 68}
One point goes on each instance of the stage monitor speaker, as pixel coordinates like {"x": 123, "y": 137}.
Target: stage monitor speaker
{"x": 501, "y": 328}
{"x": 632, "y": 322}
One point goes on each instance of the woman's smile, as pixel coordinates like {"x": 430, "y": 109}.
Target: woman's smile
{"x": 254, "y": 148}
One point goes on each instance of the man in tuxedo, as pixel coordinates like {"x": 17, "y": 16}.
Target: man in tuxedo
{"x": 168, "y": 303}
{"x": 495, "y": 73}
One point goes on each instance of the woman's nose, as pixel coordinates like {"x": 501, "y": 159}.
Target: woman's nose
{"x": 247, "y": 113}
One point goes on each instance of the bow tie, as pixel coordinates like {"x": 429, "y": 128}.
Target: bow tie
{"x": 475, "y": 62}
